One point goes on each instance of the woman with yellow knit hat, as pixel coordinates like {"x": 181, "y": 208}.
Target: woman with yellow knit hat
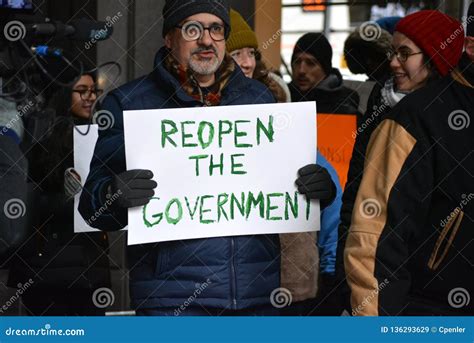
{"x": 242, "y": 45}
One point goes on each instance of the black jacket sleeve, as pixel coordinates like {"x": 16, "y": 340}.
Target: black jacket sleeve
{"x": 13, "y": 196}
{"x": 108, "y": 160}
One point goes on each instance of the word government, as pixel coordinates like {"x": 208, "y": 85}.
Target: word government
{"x": 225, "y": 207}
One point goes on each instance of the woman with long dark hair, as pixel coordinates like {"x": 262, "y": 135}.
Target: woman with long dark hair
{"x": 66, "y": 268}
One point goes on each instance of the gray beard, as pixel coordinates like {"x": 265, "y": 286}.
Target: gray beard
{"x": 204, "y": 68}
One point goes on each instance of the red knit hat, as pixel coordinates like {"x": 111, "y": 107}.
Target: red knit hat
{"x": 438, "y": 35}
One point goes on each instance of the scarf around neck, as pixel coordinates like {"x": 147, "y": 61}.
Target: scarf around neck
{"x": 390, "y": 97}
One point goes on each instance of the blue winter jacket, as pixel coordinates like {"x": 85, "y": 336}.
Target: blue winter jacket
{"x": 330, "y": 218}
{"x": 237, "y": 272}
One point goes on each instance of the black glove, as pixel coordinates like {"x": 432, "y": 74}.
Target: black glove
{"x": 316, "y": 183}
{"x": 132, "y": 188}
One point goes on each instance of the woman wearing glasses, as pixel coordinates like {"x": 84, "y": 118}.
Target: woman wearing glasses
{"x": 416, "y": 60}
{"x": 66, "y": 268}
{"x": 84, "y": 94}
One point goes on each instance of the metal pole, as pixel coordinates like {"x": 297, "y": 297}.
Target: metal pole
{"x": 327, "y": 20}
{"x": 442, "y": 6}
{"x": 465, "y": 7}
{"x": 131, "y": 40}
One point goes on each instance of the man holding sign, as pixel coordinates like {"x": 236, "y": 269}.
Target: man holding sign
{"x": 213, "y": 276}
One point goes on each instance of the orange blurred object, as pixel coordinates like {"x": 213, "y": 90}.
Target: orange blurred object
{"x": 336, "y": 139}
{"x": 314, "y": 5}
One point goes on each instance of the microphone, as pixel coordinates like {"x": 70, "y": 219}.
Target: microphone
{"x": 82, "y": 30}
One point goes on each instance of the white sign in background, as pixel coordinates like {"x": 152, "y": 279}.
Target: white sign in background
{"x": 84, "y": 145}
{"x": 271, "y": 168}
{"x": 83, "y": 151}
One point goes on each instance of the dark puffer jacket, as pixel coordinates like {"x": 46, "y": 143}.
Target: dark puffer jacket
{"x": 243, "y": 271}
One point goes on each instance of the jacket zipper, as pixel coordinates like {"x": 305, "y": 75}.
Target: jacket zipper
{"x": 232, "y": 267}
{"x": 232, "y": 245}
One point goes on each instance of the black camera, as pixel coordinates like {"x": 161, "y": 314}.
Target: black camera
{"x": 31, "y": 67}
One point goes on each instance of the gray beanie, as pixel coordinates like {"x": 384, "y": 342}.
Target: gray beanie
{"x": 175, "y": 11}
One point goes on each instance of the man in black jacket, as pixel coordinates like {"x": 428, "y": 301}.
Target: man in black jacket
{"x": 314, "y": 78}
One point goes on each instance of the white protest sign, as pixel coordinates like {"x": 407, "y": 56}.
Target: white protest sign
{"x": 222, "y": 171}
{"x": 84, "y": 145}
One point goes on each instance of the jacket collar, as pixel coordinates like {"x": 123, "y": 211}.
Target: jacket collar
{"x": 332, "y": 83}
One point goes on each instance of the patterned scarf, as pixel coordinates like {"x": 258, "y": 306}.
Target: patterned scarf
{"x": 191, "y": 86}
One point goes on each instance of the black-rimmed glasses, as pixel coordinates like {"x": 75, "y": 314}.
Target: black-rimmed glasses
{"x": 402, "y": 56}
{"x": 86, "y": 94}
{"x": 194, "y": 30}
